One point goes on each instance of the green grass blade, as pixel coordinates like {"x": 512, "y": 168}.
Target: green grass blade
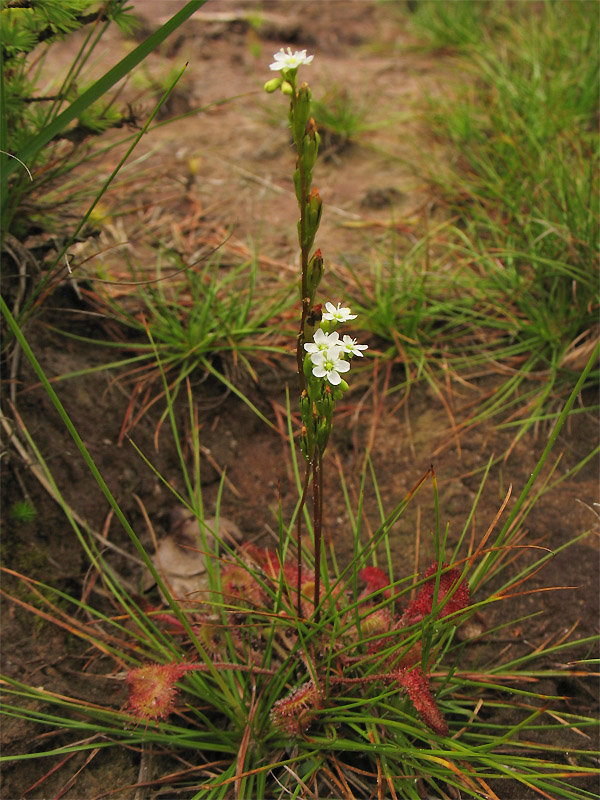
{"x": 98, "y": 89}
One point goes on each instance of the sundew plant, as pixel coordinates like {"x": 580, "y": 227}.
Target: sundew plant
{"x": 289, "y": 674}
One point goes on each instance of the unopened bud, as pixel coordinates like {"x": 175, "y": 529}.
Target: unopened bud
{"x": 307, "y": 239}
{"x": 301, "y": 112}
{"x": 311, "y": 128}
{"x": 340, "y": 389}
{"x": 323, "y": 431}
{"x": 273, "y": 85}
{"x": 305, "y": 406}
{"x": 310, "y": 149}
{"x": 315, "y": 315}
{"x": 328, "y": 404}
{"x": 314, "y": 207}
{"x": 307, "y": 367}
{"x": 287, "y": 88}
{"x": 314, "y": 273}
{"x": 304, "y": 442}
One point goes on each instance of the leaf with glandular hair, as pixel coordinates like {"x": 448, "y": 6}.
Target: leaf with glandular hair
{"x": 422, "y": 605}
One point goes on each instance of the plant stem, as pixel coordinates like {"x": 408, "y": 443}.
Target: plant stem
{"x": 303, "y": 263}
{"x": 299, "y": 539}
{"x": 317, "y": 465}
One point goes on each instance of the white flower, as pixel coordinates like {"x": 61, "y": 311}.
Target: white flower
{"x": 351, "y": 348}
{"x": 290, "y": 60}
{"x": 338, "y": 314}
{"x": 328, "y": 364}
{"x": 323, "y": 341}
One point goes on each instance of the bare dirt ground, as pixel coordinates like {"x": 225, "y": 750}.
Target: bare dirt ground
{"x": 227, "y": 172}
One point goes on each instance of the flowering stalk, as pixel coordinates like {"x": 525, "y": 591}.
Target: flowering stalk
{"x": 306, "y": 141}
{"x": 321, "y": 363}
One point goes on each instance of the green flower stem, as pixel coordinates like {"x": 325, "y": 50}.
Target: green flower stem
{"x": 313, "y": 457}
{"x": 315, "y": 413}
{"x": 304, "y": 249}
{"x": 305, "y": 302}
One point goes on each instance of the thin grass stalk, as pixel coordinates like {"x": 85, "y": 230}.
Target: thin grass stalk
{"x": 14, "y": 327}
{"x": 490, "y": 558}
{"x": 101, "y": 86}
{"x": 304, "y": 253}
{"x": 62, "y": 253}
{"x": 143, "y": 622}
{"x": 76, "y": 66}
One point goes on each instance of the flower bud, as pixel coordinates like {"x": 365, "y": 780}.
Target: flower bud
{"x": 287, "y": 88}
{"x": 310, "y": 149}
{"x": 301, "y": 112}
{"x": 314, "y": 208}
{"x": 314, "y": 273}
{"x": 328, "y": 404}
{"x": 340, "y": 389}
{"x": 273, "y": 84}
{"x": 323, "y": 431}
{"x": 304, "y": 443}
{"x": 316, "y": 313}
{"x": 307, "y": 368}
{"x": 305, "y": 405}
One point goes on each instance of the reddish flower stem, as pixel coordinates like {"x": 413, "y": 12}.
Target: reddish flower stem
{"x": 299, "y": 540}
{"x": 317, "y": 523}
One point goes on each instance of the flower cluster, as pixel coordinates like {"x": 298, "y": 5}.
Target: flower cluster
{"x": 326, "y": 359}
{"x": 327, "y": 352}
{"x": 287, "y": 64}
{"x": 289, "y": 60}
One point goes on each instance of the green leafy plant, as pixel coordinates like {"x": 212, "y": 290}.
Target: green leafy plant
{"x": 204, "y": 317}
{"x": 507, "y": 283}
{"x": 276, "y": 700}
{"x": 31, "y": 120}
{"x": 23, "y": 511}
{"x": 531, "y": 169}
{"x": 453, "y": 26}
{"x": 340, "y": 118}
{"x": 41, "y": 131}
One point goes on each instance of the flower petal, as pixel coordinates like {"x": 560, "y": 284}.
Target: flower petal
{"x": 289, "y": 60}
